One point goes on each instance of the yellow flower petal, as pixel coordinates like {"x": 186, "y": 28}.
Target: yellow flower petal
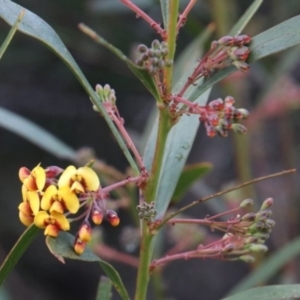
{"x": 57, "y": 206}
{"x": 69, "y": 199}
{"x": 91, "y": 180}
{"x": 48, "y": 197}
{"x": 34, "y": 201}
{"x": 51, "y": 230}
{"x": 41, "y": 219}
{"x": 77, "y": 187}
{"x": 66, "y": 176}
{"x": 30, "y": 183}
{"x": 24, "y": 193}
{"x": 40, "y": 177}
{"x": 60, "y": 220}
{"x": 24, "y": 207}
{"x": 25, "y": 219}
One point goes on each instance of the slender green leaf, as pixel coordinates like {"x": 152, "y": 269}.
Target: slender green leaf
{"x": 165, "y": 11}
{"x": 270, "y": 266}
{"x": 140, "y": 73}
{"x": 17, "y": 251}
{"x": 246, "y": 17}
{"x": 37, "y": 28}
{"x": 11, "y": 34}
{"x": 104, "y": 289}
{"x": 35, "y": 134}
{"x": 189, "y": 175}
{"x": 273, "y": 292}
{"x": 179, "y": 143}
{"x": 62, "y": 247}
{"x": 273, "y": 40}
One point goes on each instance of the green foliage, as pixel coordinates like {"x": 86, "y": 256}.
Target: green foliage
{"x": 17, "y": 251}
{"x": 189, "y": 175}
{"x": 275, "y": 292}
{"x": 62, "y": 247}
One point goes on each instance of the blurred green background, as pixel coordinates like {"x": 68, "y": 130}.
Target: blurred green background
{"x": 37, "y": 85}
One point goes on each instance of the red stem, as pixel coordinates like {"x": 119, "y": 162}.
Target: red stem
{"x": 146, "y": 17}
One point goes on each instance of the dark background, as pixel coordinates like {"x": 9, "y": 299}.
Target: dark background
{"x": 37, "y": 85}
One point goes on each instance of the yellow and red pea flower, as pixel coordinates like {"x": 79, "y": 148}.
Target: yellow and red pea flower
{"x": 45, "y": 199}
{"x": 60, "y": 199}
{"x": 29, "y": 207}
{"x": 33, "y": 180}
{"x": 79, "y": 180}
{"x": 53, "y": 222}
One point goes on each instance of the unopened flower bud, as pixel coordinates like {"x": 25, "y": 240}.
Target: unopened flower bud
{"x": 239, "y": 128}
{"x": 142, "y": 48}
{"x": 85, "y": 232}
{"x": 267, "y": 213}
{"x": 251, "y": 240}
{"x": 246, "y": 203}
{"x": 226, "y": 41}
{"x": 97, "y": 216}
{"x": 241, "y": 65}
{"x": 99, "y": 88}
{"x": 247, "y": 258}
{"x": 23, "y": 173}
{"x": 271, "y": 223}
{"x": 112, "y": 218}
{"x": 53, "y": 171}
{"x": 249, "y": 217}
{"x": 256, "y": 227}
{"x": 216, "y": 104}
{"x": 242, "y": 39}
{"x": 245, "y": 113}
{"x": 267, "y": 203}
{"x": 155, "y": 44}
{"x": 258, "y": 248}
{"x": 229, "y": 101}
{"x": 79, "y": 246}
{"x": 261, "y": 235}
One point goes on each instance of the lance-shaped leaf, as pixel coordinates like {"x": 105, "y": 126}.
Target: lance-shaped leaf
{"x": 62, "y": 247}
{"x": 17, "y": 251}
{"x": 37, "y": 28}
{"x": 35, "y": 134}
{"x": 273, "y": 292}
{"x": 104, "y": 289}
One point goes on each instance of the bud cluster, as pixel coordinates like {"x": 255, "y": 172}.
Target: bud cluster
{"x": 224, "y": 52}
{"x": 221, "y": 116}
{"x": 153, "y": 59}
{"x": 232, "y": 50}
{"x": 247, "y": 234}
{"x": 106, "y": 94}
{"x": 147, "y": 211}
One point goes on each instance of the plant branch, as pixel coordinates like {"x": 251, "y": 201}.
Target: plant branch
{"x": 183, "y": 17}
{"x": 286, "y": 172}
{"x": 139, "y": 13}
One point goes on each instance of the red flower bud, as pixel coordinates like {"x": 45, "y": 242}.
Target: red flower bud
{"x": 112, "y": 218}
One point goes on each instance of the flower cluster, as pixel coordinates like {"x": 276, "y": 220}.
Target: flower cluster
{"x": 153, "y": 59}
{"x": 244, "y": 235}
{"x": 226, "y": 51}
{"x": 48, "y": 201}
{"x": 221, "y": 116}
